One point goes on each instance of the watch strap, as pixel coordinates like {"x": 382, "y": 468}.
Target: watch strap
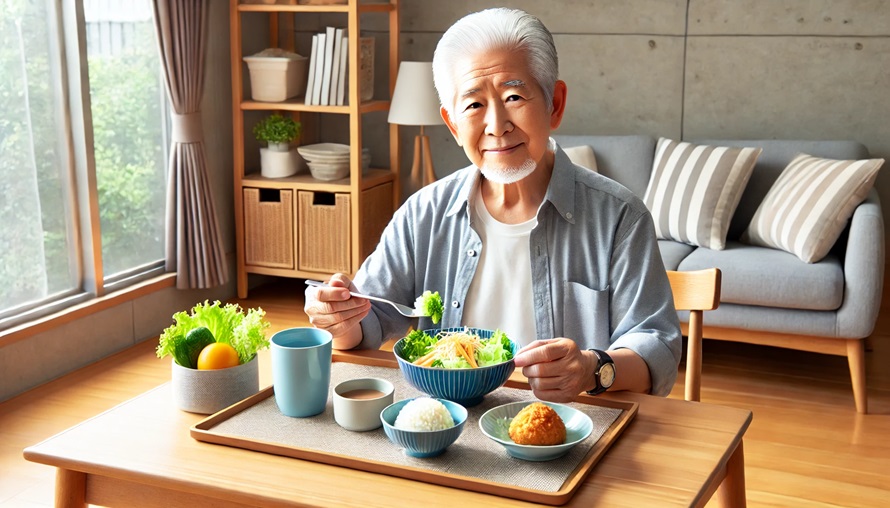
{"x": 603, "y": 358}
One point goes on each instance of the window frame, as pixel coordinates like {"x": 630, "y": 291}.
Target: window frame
{"x": 76, "y": 159}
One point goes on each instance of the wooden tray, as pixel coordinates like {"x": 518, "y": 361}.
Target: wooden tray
{"x": 203, "y": 431}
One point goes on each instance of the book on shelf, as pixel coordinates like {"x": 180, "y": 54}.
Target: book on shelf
{"x": 335, "y": 66}
{"x": 310, "y": 81}
{"x": 328, "y": 62}
{"x": 341, "y": 79}
{"x": 319, "y": 70}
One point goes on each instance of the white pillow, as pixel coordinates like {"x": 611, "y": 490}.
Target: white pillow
{"x": 582, "y": 156}
{"x": 807, "y": 208}
{"x": 694, "y": 190}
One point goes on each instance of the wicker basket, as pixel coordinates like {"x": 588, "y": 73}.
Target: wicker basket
{"x": 324, "y": 238}
{"x": 269, "y": 228}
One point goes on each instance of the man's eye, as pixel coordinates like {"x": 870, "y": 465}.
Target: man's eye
{"x": 514, "y": 97}
{"x": 474, "y": 105}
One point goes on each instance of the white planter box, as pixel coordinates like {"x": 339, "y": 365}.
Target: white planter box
{"x": 275, "y": 79}
{"x": 208, "y": 391}
{"x": 280, "y": 164}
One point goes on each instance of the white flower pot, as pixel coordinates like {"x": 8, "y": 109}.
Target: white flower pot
{"x": 275, "y": 164}
{"x": 208, "y": 391}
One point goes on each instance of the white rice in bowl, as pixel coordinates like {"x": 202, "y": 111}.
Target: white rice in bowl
{"x": 424, "y": 414}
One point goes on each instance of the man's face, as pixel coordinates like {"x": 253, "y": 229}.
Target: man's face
{"x": 501, "y": 117}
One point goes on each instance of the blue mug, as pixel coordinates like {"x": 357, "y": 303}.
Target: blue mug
{"x": 301, "y": 370}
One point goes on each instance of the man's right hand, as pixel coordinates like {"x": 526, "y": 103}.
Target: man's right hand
{"x": 335, "y": 310}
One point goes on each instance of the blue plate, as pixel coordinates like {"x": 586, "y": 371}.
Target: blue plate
{"x": 495, "y": 423}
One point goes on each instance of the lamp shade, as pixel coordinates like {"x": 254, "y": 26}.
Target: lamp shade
{"x": 414, "y": 101}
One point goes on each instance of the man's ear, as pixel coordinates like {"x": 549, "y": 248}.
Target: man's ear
{"x": 450, "y": 123}
{"x": 560, "y": 91}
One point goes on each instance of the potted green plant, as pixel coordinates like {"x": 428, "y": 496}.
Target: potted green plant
{"x": 279, "y": 159}
{"x": 214, "y": 349}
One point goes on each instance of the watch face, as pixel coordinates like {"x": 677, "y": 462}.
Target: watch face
{"x": 607, "y": 375}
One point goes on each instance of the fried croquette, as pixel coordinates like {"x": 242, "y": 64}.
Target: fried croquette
{"x": 539, "y": 425}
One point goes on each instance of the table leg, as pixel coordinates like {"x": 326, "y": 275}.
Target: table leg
{"x": 71, "y": 489}
{"x": 731, "y": 492}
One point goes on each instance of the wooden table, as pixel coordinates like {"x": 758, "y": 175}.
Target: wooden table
{"x": 674, "y": 453}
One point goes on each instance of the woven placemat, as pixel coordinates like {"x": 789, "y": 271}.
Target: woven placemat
{"x": 473, "y": 455}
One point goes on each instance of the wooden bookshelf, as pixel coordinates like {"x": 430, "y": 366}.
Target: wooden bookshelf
{"x": 363, "y": 202}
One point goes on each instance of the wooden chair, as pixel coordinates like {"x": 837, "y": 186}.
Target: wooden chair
{"x": 695, "y": 291}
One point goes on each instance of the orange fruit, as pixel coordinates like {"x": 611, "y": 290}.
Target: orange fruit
{"x": 218, "y": 355}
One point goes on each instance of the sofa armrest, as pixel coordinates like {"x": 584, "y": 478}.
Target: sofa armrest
{"x": 863, "y": 270}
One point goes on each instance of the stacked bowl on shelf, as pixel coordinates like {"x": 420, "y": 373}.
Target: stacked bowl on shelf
{"x": 330, "y": 161}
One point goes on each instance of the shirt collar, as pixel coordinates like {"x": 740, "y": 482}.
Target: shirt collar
{"x": 469, "y": 180}
{"x": 561, "y": 191}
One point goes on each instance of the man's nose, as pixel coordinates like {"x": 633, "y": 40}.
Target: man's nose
{"x": 497, "y": 121}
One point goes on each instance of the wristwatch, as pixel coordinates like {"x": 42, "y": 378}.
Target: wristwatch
{"x": 604, "y": 373}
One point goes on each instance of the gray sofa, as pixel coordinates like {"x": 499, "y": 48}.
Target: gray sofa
{"x": 770, "y": 296}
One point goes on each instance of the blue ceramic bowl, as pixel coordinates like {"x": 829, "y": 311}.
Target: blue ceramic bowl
{"x": 423, "y": 444}
{"x": 495, "y": 423}
{"x": 467, "y": 387}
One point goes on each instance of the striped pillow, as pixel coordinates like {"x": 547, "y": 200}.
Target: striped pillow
{"x": 582, "y": 156}
{"x": 807, "y": 208}
{"x": 694, "y": 190}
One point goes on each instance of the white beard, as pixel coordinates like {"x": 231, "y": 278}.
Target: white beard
{"x": 505, "y": 175}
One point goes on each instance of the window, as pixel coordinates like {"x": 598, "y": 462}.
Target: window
{"x": 77, "y": 168}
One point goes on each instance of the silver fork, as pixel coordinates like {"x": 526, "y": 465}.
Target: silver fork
{"x": 403, "y": 309}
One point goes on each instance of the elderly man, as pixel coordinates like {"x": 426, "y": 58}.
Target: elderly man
{"x": 565, "y": 261}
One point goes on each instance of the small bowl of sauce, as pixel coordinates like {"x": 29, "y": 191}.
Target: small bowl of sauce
{"x": 358, "y": 403}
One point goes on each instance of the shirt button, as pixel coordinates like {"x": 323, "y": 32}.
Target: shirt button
{"x": 471, "y": 253}
{"x": 569, "y": 215}
{"x": 455, "y": 304}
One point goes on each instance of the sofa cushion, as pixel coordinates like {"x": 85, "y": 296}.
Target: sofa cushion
{"x": 673, "y": 252}
{"x": 694, "y": 189}
{"x": 772, "y": 278}
{"x": 582, "y": 155}
{"x": 777, "y": 153}
{"x": 625, "y": 159}
{"x": 808, "y": 207}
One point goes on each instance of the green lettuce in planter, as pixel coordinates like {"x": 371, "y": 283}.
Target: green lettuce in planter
{"x": 229, "y": 324}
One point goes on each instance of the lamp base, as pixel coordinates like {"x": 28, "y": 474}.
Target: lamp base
{"x": 422, "y": 157}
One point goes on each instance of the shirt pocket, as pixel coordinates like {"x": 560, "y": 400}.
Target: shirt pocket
{"x": 586, "y": 315}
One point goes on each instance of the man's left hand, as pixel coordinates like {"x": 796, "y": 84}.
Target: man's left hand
{"x": 556, "y": 369}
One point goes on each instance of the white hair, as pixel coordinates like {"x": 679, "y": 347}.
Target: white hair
{"x": 499, "y": 28}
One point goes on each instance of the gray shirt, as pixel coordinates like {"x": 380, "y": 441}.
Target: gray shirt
{"x": 597, "y": 273}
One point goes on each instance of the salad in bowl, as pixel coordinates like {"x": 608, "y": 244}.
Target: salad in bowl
{"x": 457, "y": 364}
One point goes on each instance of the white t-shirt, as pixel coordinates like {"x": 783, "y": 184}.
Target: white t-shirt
{"x": 500, "y": 295}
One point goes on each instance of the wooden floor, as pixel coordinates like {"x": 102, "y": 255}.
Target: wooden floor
{"x": 806, "y": 447}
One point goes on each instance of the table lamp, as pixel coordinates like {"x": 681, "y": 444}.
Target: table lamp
{"x": 415, "y": 102}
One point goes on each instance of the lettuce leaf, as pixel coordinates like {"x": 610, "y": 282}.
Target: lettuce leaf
{"x": 494, "y": 350}
{"x": 417, "y": 344}
{"x": 453, "y": 363}
{"x": 430, "y": 304}
{"x": 228, "y": 323}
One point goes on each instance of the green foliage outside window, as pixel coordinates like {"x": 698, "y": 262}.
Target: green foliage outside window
{"x": 38, "y": 255}
{"x": 129, "y": 145}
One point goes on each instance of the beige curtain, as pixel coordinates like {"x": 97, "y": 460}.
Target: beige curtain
{"x": 194, "y": 245}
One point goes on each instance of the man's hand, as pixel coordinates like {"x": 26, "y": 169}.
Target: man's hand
{"x": 556, "y": 369}
{"x": 335, "y": 310}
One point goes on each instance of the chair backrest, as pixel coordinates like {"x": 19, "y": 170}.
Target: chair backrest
{"x": 695, "y": 291}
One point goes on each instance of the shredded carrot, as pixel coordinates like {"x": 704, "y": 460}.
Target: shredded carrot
{"x": 452, "y": 345}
